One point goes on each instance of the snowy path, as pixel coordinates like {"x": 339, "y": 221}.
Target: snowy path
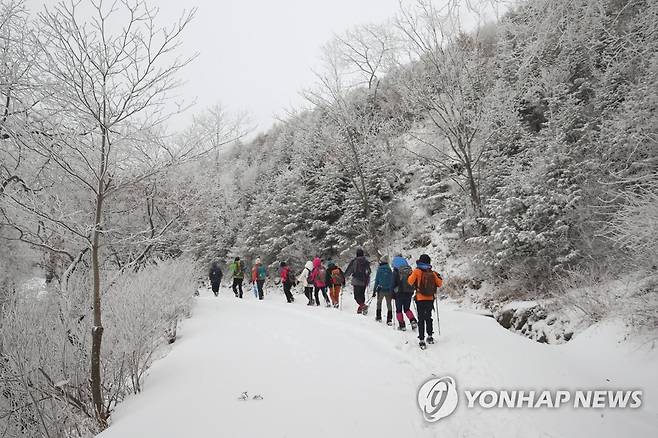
{"x": 325, "y": 373}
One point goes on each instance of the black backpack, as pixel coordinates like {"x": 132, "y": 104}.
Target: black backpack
{"x": 360, "y": 269}
{"x": 404, "y": 273}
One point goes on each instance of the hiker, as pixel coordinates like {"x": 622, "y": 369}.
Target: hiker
{"x": 305, "y": 279}
{"x": 402, "y": 292}
{"x": 258, "y": 276}
{"x": 287, "y": 280}
{"x": 237, "y": 271}
{"x": 384, "y": 290}
{"x": 359, "y": 270}
{"x": 336, "y": 281}
{"x": 215, "y": 275}
{"x": 425, "y": 282}
{"x": 319, "y": 279}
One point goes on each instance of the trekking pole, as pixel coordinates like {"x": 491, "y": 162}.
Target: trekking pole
{"x": 438, "y": 322}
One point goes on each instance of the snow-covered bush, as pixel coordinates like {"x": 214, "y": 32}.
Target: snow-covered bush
{"x": 633, "y": 298}
{"x": 529, "y": 227}
{"x": 45, "y": 345}
{"x": 635, "y": 227}
{"x": 142, "y": 311}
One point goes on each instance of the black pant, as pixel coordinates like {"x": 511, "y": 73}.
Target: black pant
{"x": 308, "y": 291}
{"x": 237, "y": 285}
{"x": 360, "y": 294}
{"x": 259, "y": 286}
{"x": 324, "y": 294}
{"x": 215, "y": 287}
{"x": 402, "y": 302}
{"x": 425, "y": 318}
{"x": 286, "y": 290}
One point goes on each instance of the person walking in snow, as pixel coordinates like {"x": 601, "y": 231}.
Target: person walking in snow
{"x": 258, "y": 276}
{"x": 215, "y": 275}
{"x": 384, "y": 290}
{"x": 402, "y": 292}
{"x": 319, "y": 279}
{"x": 336, "y": 281}
{"x": 426, "y": 282}
{"x": 287, "y": 280}
{"x": 306, "y": 281}
{"x": 237, "y": 271}
{"x": 359, "y": 270}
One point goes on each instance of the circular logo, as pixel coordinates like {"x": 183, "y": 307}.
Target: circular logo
{"x": 437, "y": 398}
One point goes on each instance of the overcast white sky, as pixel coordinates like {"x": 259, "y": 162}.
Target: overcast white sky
{"x": 256, "y": 55}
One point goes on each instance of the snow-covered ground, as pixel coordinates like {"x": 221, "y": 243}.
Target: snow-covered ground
{"x": 329, "y": 373}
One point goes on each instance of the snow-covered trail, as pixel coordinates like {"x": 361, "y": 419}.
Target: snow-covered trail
{"x": 328, "y": 373}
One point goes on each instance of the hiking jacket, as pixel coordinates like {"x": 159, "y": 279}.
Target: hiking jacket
{"x": 258, "y": 273}
{"x": 384, "y": 278}
{"x": 215, "y": 274}
{"x": 351, "y": 270}
{"x": 285, "y": 275}
{"x": 318, "y": 280}
{"x": 306, "y": 272}
{"x": 415, "y": 277}
{"x": 233, "y": 269}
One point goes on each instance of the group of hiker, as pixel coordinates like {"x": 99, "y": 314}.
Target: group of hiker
{"x": 395, "y": 281}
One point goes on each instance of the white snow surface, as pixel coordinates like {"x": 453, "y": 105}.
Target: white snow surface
{"x": 331, "y": 373}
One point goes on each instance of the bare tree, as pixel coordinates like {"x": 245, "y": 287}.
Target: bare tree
{"x": 448, "y": 81}
{"x": 104, "y": 95}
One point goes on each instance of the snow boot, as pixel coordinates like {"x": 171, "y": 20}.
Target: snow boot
{"x": 378, "y": 315}
{"x": 389, "y": 318}
{"x": 422, "y": 345}
{"x": 414, "y": 324}
{"x": 364, "y": 310}
{"x": 430, "y": 340}
{"x": 401, "y": 326}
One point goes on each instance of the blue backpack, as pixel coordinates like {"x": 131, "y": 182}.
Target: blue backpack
{"x": 385, "y": 278}
{"x": 262, "y": 272}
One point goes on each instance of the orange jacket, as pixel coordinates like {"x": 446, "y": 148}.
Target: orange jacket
{"x": 415, "y": 277}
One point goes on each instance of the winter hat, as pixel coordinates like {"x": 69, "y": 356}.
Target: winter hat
{"x": 257, "y": 260}
{"x": 359, "y": 252}
{"x": 237, "y": 259}
{"x": 384, "y": 259}
{"x": 425, "y": 259}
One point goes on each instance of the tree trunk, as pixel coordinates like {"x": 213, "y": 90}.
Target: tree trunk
{"x": 472, "y": 185}
{"x": 97, "y": 329}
